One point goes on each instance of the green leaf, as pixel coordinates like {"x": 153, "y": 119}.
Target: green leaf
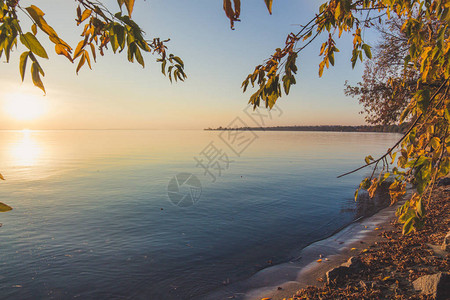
{"x": 408, "y": 227}
{"x": 32, "y": 43}
{"x": 4, "y": 207}
{"x": 119, "y": 31}
{"x": 419, "y": 208}
{"x": 368, "y": 159}
{"x": 179, "y": 61}
{"x": 35, "y": 75}
{"x": 367, "y": 51}
{"x": 139, "y": 57}
{"x": 23, "y": 64}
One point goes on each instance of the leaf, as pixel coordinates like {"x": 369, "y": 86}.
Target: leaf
{"x": 35, "y": 12}
{"x": 34, "y": 29}
{"x": 93, "y": 51}
{"x": 408, "y": 227}
{"x": 179, "y": 61}
{"x": 368, "y": 159}
{"x": 61, "y": 50}
{"x": 1, "y": 177}
{"x": 367, "y": 51}
{"x": 78, "y": 50}
{"x": 237, "y": 8}
{"x": 86, "y": 55}
{"x": 139, "y": 57}
{"x": 85, "y": 15}
{"x": 232, "y": 15}
{"x": 129, "y": 4}
{"x": 4, "y": 207}
{"x": 35, "y": 69}
{"x": 269, "y": 5}
{"x": 81, "y": 63}
{"x": 32, "y": 43}
{"x": 119, "y": 31}
{"x": 23, "y": 65}
{"x": 419, "y": 208}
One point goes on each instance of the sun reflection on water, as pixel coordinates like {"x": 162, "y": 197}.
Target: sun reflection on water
{"x": 26, "y": 152}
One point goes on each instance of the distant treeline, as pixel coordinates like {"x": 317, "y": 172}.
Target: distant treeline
{"x": 362, "y": 128}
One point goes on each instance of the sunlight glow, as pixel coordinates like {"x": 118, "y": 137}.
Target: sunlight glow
{"x": 24, "y": 107}
{"x": 26, "y": 152}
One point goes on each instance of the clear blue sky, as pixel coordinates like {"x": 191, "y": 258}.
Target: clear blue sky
{"x": 118, "y": 94}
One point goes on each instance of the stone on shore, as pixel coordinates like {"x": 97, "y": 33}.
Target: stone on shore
{"x": 436, "y": 285}
{"x": 335, "y": 275}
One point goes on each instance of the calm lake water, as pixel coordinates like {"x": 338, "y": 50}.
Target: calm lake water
{"x": 92, "y": 217}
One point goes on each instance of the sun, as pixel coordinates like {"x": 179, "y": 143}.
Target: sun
{"x": 24, "y": 107}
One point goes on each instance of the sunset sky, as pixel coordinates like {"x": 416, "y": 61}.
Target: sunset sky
{"x": 119, "y": 95}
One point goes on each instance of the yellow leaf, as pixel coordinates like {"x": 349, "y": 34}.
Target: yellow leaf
{"x": 353, "y": 249}
{"x": 129, "y": 4}
{"x": 1, "y": 177}
{"x": 4, "y": 207}
{"x": 93, "y": 51}
{"x": 269, "y": 5}
{"x": 78, "y": 49}
{"x": 319, "y": 260}
{"x": 85, "y": 14}
{"x": 87, "y": 58}
{"x": 61, "y": 50}
{"x": 81, "y": 63}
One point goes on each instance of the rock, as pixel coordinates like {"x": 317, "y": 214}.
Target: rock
{"x": 446, "y": 244}
{"x": 436, "y": 285}
{"x": 337, "y": 274}
{"x": 354, "y": 264}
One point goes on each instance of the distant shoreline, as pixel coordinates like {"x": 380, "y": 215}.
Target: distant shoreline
{"x": 333, "y": 128}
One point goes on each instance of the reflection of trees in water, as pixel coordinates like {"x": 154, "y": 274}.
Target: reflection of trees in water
{"x": 366, "y": 206}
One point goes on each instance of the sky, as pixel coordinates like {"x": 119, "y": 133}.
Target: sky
{"x": 117, "y": 94}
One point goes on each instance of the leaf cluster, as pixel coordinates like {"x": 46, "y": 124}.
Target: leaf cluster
{"x": 101, "y": 30}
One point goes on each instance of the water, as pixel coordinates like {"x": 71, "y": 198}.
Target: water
{"x": 92, "y": 218}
